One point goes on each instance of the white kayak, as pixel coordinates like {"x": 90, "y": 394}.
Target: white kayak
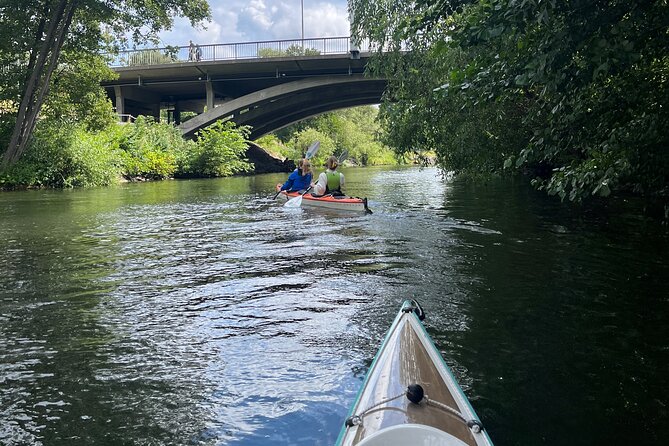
{"x": 409, "y": 396}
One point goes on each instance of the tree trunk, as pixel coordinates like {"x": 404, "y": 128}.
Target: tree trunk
{"x": 50, "y": 68}
{"x": 38, "y": 83}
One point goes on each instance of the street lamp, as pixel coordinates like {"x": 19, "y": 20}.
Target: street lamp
{"x": 302, "y": 3}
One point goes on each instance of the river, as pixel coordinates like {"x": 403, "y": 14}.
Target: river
{"x": 204, "y": 312}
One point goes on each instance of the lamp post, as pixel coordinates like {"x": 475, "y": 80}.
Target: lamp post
{"x": 302, "y": 4}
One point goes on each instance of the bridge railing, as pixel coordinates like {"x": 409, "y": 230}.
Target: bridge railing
{"x": 235, "y": 51}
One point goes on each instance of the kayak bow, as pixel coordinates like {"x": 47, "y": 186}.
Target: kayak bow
{"x": 409, "y": 396}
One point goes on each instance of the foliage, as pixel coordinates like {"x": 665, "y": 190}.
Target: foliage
{"x": 354, "y": 130}
{"x": 270, "y": 52}
{"x": 300, "y": 142}
{"x": 574, "y": 93}
{"x": 150, "y": 150}
{"x": 293, "y": 50}
{"x": 151, "y": 57}
{"x": 299, "y": 50}
{"x": 272, "y": 144}
{"x": 76, "y": 96}
{"x": 73, "y": 155}
{"x": 65, "y": 156}
{"x": 41, "y": 39}
{"x": 218, "y": 152}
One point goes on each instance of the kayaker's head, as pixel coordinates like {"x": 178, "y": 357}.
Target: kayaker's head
{"x": 303, "y": 167}
{"x": 332, "y": 163}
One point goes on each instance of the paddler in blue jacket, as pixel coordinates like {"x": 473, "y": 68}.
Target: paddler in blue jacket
{"x": 331, "y": 181}
{"x": 300, "y": 179}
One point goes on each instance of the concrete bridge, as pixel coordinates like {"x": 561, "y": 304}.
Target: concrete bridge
{"x": 267, "y": 85}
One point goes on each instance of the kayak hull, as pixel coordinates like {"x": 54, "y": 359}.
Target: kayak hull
{"x": 383, "y": 414}
{"x": 348, "y": 204}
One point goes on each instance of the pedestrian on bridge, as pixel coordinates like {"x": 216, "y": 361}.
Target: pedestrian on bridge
{"x": 191, "y": 51}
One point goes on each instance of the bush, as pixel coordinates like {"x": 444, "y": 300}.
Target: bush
{"x": 272, "y": 144}
{"x": 71, "y": 155}
{"x": 151, "y": 150}
{"x": 354, "y": 130}
{"x": 301, "y": 141}
{"x": 65, "y": 156}
{"x": 218, "y": 152}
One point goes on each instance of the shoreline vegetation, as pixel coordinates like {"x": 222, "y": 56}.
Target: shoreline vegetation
{"x": 574, "y": 96}
{"x": 67, "y": 155}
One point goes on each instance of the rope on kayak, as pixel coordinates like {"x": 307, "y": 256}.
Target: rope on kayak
{"x": 354, "y": 420}
{"x": 416, "y": 395}
{"x": 474, "y": 425}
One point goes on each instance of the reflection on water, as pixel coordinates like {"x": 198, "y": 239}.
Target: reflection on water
{"x": 203, "y": 312}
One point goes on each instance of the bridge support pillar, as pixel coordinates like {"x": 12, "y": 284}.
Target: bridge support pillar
{"x": 177, "y": 113}
{"x": 120, "y": 100}
{"x": 210, "y": 95}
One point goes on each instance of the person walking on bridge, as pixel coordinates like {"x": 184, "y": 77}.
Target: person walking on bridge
{"x": 191, "y": 51}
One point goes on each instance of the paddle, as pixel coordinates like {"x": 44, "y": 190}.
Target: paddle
{"x": 313, "y": 148}
{"x": 311, "y": 152}
{"x": 296, "y": 202}
{"x": 342, "y": 157}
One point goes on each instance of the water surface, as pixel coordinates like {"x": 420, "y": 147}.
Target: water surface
{"x": 203, "y": 312}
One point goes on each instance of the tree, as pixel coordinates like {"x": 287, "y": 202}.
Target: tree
{"x": 576, "y": 93}
{"x": 354, "y": 130}
{"x": 36, "y": 34}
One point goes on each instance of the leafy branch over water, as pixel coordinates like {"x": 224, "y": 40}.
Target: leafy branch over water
{"x": 573, "y": 93}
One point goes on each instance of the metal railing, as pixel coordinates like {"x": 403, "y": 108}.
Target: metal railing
{"x": 125, "y": 118}
{"x": 235, "y": 51}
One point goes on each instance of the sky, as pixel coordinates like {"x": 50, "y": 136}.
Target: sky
{"x": 254, "y": 20}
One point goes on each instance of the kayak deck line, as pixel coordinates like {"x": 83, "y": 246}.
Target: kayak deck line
{"x": 416, "y": 394}
{"x": 408, "y": 364}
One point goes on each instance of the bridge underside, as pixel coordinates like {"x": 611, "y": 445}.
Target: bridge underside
{"x": 265, "y": 93}
{"x": 276, "y": 107}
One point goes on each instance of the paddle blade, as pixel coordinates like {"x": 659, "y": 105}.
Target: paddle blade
{"x": 342, "y": 157}
{"x": 311, "y": 151}
{"x": 294, "y": 202}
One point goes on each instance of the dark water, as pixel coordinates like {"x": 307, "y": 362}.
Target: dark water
{"x": 202, "y": 312}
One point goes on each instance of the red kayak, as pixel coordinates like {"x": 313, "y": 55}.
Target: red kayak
{"x": 352, "y": 204}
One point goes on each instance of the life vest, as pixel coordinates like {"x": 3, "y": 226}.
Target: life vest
{"x": 333, "y": 181}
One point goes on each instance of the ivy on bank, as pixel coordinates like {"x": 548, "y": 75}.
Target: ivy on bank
{"x": 65, "y": 155}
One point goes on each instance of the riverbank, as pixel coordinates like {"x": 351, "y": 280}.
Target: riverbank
{"x": 64, "y": 156}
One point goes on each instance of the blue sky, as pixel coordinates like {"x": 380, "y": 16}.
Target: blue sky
{"x": 252, "y": 20}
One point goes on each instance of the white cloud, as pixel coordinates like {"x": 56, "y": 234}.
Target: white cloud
{"x": 258, "y": 14}
{"x": 326, "y": 20}
{"x": 244, "y": 21}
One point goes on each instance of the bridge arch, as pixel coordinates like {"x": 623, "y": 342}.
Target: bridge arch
{"x": 266, "y": 93}
{"x": 275, "y": 107}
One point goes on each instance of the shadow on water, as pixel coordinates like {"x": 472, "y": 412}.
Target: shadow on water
{"x": 203, "y": 312}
